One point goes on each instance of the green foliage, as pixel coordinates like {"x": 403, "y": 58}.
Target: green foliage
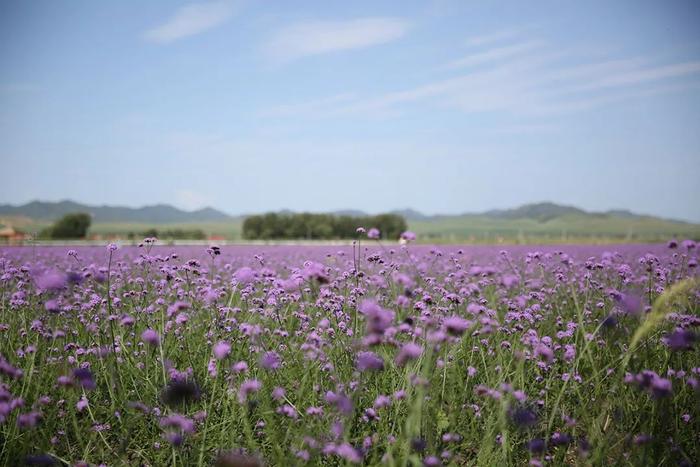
{"x": 272, "y": 226}
{"x": 174, "y": 234}
{"x": 70, "y": 226}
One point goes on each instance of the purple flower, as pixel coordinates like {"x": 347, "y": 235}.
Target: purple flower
{"x": 150, "y": 336}
{"x": 82, "y": 404}
{"x": 340, "y": 401}
{"x": 244, "y": 275}
{"x": 288, "y": 411}
{"x": 248, "y": 387}
{"x": 83, "y": 376}
{"x": 373, "y": 233}
{"x": 660, "y": 387}
{"x": 240, "y": 367}
{"x": 408, "y": 236}
{"x": 630, "y": 304}
{"x": 681, "y": 339}
{"x": 52, "y": 306}
{"x": 560, "y": 439}
{"x": 536, "y": 446}
{"x": 378, "y": 319}
{"x": 545, "y": 353}
{"x": 270, "y": 361}
{"x": 651, "y": 382}
{"x": 382, "y": 401}
{"x": 222, "y": 350}
{"x": 179, "y": 422}
{"x": 522, "y": 417}
{"x": 369, "y": 361}
{"x": 315, "y": 271}
{"x": 29, "y": 420}
{"x": 174, "y": 438}
{"x": 278, "y": 393}
{"x": 456, "y": 325}
{"x": 409, "y": 351}
{"x": 51, "y": 281}
{"x": 127, "y": 320}
{"x": 349, "y": 453}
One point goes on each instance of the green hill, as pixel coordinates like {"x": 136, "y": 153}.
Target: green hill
{"x": 531, "y": 223}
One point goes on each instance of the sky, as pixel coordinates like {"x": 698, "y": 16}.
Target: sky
{"x": 440, "y": 106}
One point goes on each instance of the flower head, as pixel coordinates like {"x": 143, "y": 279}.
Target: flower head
{"x": 409, "y": 351}
{"x": 369, "y": 361}
{"x": 150, "y": 336}
{"x": 221, "y": 350}
{"x": 270, "y": 361}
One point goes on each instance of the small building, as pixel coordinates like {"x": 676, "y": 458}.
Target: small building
{"x": 11, "y": 236}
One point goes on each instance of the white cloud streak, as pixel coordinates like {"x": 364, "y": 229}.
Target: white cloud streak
{"x": 322, "y": 37}
{"x": 524, "y": 78}
{"x": 191, "y": 20}
{"x": 493, "y": 55}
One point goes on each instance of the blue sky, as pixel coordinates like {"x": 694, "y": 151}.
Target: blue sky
{"x": 442, "y": 106}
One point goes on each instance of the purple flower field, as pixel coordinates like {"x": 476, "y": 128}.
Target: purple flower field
{"x": 375, "y": 355}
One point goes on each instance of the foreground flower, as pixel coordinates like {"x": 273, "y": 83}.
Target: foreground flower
{"x": 409, "y": 351}
{"x": 270, "y": 361}
{"x": 150, "y": 336}
{"x": 83, "y": 376}
{"x": 176, "y": 426}
{"x": 456, "y": 325}
{"x": 248, "y": 387}
{"x": 221, "y": 350}
{"x": 369, "y": 361}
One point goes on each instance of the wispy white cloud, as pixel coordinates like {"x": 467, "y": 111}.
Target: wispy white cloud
{"x": 492, "y": 37}
{"x": 191, "y": 20}
{"x": 525, "y": 79}
{"x": 321, "y": 37}
{"x": 642, "y": 75}
{"x": 495, "y": 54}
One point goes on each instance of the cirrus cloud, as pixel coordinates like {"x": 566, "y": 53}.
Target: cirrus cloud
{"x": 190, "y": 20}
{"x": 321, "y": 37}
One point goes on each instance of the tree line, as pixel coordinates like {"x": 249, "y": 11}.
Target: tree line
{"x": 70, "y": 226}
{"x": 176, "y": 234}
{"x": 76, "y": 226}
{"x": 307, "y": 226}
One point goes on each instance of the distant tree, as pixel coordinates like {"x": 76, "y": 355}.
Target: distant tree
{"x": 73, "y": 225}
{"x": 252, "y": 227}
{"x": 319, "y": 226}
{"x": 150, "y": 233}
{"x": 184, "y": 234}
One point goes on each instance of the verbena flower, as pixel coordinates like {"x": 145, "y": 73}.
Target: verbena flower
{"x": 221, "y": 350}
{"x": 270, "y": 361}
{"x": 369, "y": 361}
{"x": 150, "y": 336}
{"x": 409, "y": 351}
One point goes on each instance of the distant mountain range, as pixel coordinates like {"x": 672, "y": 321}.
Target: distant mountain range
{"x": 164, "y": 213}
{"x": 156, "y": 214}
